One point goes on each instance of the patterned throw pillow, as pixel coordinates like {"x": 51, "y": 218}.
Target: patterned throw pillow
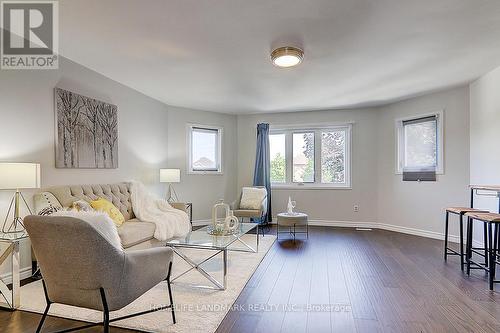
{"x": 46, "y": 203}
{"x": 49, "y": 210}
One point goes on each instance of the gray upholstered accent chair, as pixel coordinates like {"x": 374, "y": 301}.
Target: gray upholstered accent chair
{"x": 80, "y": 267}
{"x": 249, "y": 213}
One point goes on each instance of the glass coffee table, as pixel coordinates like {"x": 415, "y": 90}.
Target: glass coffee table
{"x": 200, "y": 239}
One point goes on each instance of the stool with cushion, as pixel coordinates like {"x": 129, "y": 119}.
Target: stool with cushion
{"x": 492, "y": 222}
{"x": 292, "y": 221}
{"x": 447, "y": 250}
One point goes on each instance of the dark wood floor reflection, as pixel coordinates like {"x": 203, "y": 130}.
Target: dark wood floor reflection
{"x": 363, "y": 281}
{"x": 344, "y": 280}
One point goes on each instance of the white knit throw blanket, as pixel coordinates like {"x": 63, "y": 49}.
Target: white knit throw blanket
{"x": 170, "y": 222}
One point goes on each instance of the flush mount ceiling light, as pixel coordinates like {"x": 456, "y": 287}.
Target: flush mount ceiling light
{"x": 287, "y": 56}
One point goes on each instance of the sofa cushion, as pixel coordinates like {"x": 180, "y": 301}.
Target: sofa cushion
{"x": 133, "y": 232}
{"x": 118, "y": 194}
{"x": 252, "y": 197}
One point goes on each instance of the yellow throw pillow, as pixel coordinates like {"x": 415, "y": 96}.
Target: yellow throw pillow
{"x": 107, "y": 207}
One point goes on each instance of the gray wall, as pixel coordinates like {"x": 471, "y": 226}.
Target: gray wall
{"x": 414, "y": 205}
{"x": 485, "y": 136}
{"x": 151, "y": 135}
{"x": 323, "y": 205}
{"x": 382, "y": 196}
{"x": 202, "y": 190}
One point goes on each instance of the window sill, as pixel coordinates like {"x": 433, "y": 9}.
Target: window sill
{"x": 439, "y": 172}
{"x": 310, "y": 187}
{"x": 213, "y": 173}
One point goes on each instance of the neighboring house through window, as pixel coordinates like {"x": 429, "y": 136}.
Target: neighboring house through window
{"x": 205, "y": 149}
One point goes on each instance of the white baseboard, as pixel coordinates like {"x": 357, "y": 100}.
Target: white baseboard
{"x": 389, "y": 227}
{"x": 23, "y": 272}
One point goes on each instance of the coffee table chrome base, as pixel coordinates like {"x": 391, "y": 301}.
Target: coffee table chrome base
{"x": 217, "y": 285}
{"x": 197, "y": 266}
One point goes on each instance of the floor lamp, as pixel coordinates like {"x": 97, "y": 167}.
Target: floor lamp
{"x": 16, "y": 176}
{"x": 170, "y": 176}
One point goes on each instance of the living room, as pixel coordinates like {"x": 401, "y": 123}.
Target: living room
{"x": 319, "y": 166}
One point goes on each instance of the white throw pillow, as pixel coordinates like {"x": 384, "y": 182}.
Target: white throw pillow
{"x": 100, "y": 221}
{"x": 251, "y": 197}
{"x": 82, "y": 206}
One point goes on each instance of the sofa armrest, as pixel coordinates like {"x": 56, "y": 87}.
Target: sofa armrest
{"x": 146, "y": 268}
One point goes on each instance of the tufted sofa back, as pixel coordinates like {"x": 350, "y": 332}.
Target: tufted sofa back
{"x": 118, "y": 194}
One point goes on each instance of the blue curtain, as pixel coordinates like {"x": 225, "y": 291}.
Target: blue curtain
{"x": 262, "y": 173}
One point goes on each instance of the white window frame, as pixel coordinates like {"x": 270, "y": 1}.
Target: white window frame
{"x": 317, "y": 129}
{"x": 219, "y": 154}
{"x": 440, "y": 140}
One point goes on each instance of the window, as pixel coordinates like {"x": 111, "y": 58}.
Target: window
{"x": 420, "y": 143}
{"x": 205, "y": 149}
{"x": 303, "y": 157}
{"x": 313, "y": 157}
{"x": 277, "y": 152}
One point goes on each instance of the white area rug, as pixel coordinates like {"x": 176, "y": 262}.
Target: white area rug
{"x": 197, "y": 310}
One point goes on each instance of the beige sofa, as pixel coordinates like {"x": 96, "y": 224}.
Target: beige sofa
{"x": 134, "y": 234}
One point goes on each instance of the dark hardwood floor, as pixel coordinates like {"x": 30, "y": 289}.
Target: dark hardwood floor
{"x": 344, "y": 280}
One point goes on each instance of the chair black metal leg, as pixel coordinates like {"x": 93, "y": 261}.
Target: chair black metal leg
{"x": 44, "y": 316}
{"x": 446, "y": 236}
{"x": 39, "y": 328}
{"x": 462, "y": 242}
{"x": 105, "y": 322}
{"x": 170, "y": 292}
{"x": 486, "y": 255}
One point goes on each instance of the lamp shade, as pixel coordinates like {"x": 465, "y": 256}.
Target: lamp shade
{"x": 170, "y": 175}
{"x": 15, "y": 176}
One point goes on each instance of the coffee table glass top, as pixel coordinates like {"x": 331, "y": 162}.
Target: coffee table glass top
{"x": 200, "y": 238}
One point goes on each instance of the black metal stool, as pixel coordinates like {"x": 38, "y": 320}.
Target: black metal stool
{"x": 492, "y": 223}
{"x": 460, "y": 211}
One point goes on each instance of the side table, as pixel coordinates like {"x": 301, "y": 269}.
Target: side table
{"x": 291, "y": 220}
{"x": 185, "y": 206}
{"x": 10, "y": 298}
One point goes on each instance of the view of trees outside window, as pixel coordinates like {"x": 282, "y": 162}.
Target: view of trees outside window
{"x": 295, "y": 158}
{"x": 333, "y": 157}
{"x": 278, "y": 162}
{"x": 420, "y": 146}
{"x": 303, "y": 157}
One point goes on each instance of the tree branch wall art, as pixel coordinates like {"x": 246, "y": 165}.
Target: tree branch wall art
{"x": 86, "y": 133}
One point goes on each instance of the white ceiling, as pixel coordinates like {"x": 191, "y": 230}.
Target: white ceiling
{"x": 214, "y": 54}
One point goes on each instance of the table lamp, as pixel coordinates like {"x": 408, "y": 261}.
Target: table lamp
{"x": 170, "y": 176}
{"x": 16, "y": 176}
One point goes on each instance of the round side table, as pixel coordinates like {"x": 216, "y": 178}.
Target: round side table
{"x": 291, "y": 221}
